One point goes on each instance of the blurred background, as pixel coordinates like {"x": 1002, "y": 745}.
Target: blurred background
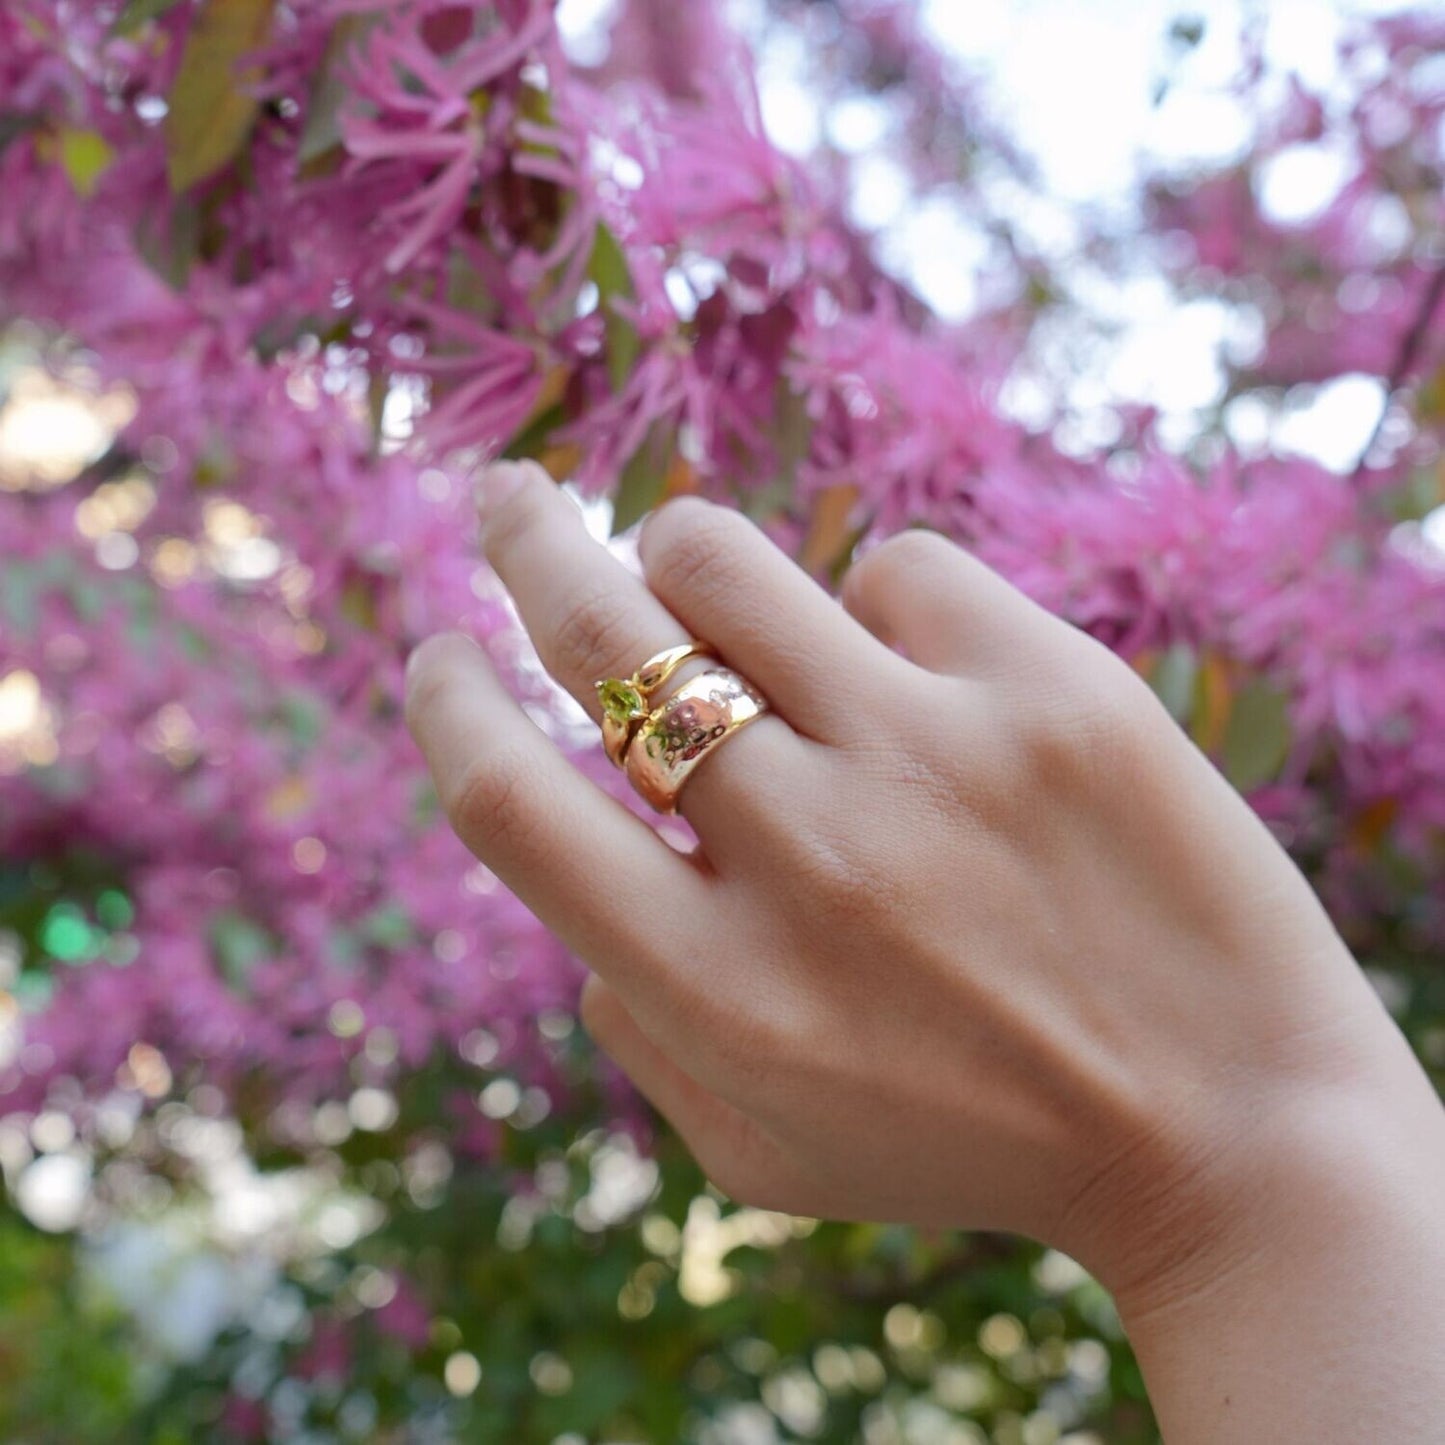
{"x": 300, "y": 1138}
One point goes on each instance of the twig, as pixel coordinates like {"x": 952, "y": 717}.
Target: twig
{"x": 1411, "y": 345}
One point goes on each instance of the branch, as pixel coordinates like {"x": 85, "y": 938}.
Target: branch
{"x": 1412, "y": 343}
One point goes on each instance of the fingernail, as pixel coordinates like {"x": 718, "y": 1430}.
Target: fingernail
{"x": 431, "y": 649}
{"x": 496, "y": 483}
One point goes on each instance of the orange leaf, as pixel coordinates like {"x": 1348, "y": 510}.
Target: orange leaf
{"x": 1369, "y": 825}
{"x": 560, "y": 461}
{"x": 681, "y": 477}
{"x": 829, "y": 530}
{"x": 1214, "y": 697}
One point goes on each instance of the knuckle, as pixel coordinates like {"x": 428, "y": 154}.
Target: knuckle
{"x": 732, "y": 1160}
{"x": 851, "y": 873}
{"x": 900, "y": 555}
{"x": 844, "y": 883}
{"x": 429, "y": 674}
{"x": 498, "y": 807}
{"x": 917, "y": 734}
{"x": 755, "y": 1040}
{"x": 507, "y": 524}
{"x": 1096, "y": 724}
{"x": 729, "y": 1034}
{"x": 594, "y": 1008}
{"x": 593, "y": 638}
{"x": 749, "y": 1043}
{"x": 688, "y": 549}
{"x": 727, "y": 1174}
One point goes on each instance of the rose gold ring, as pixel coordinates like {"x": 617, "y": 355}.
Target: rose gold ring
{"x": 626, "y": 703}
{"x": 697, "y": 719}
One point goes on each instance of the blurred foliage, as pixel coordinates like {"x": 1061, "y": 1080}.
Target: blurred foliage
{"x": 65, "y": 1372}
{"x": 443, "y": 1253}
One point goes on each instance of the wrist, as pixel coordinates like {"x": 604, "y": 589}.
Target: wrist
{"x": 1300, "y": 1298}
{"x": 1207, "y": 1204}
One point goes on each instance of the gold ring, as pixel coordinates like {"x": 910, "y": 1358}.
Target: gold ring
{"x": 700, "y": 716}
{"x": 626, "y": 703}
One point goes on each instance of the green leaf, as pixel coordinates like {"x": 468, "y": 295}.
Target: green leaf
{"x": 170, "y": 243}
{"x": 1424, "y": 488}
{"x": 534, "y": 438}
{"x": 624, "y": 346}
{"x": 87, "y": 599}
{"x": 607, "y": 266}
{"x": 389, "y": 926}
{"x": 137, "y": 12}
{"x": 239, "y": 945}
{"x": 603, "y": 1378}
{"x": 18, "y": 600}
{"x": 1257, "y": 736}
{"x": 322, "y": 130}
{"x": 303, "y": 716}
{"x": 211, "y": 109}
{"x": 1173, "y": 680}
{"x": 12, "y": 127}
{"x": 358, "y": 604}
{"x": 792, "y": 433}
{"x": 643, "y": 480}
{"x": 607, "y": 269}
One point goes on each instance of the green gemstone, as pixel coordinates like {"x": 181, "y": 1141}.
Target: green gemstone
{"x": 620, "y": 700}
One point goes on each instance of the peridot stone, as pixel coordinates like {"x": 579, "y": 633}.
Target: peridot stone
{"x": 620, "y": 700}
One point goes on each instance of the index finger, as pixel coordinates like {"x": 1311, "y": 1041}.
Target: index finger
{"x": 595, "y": 874}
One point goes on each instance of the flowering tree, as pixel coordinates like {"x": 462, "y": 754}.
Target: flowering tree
{"x": 280, "y": 272}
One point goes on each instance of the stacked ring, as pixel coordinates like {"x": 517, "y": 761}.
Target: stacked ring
{"x": 658, "y": 745}
{"x": 627, "y": 703}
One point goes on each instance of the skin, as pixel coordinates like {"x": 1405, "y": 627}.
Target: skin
{"x": 973, "y": 937}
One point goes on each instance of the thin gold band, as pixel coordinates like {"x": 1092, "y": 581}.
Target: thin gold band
{"x": 626, "y": 703}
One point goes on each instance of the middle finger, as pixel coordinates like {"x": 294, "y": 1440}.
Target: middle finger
{"x": 589, "y": 617}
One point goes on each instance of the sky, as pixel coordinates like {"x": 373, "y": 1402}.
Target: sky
{"x": 1081, "y": 98}
{"x": 1074, "y": 82}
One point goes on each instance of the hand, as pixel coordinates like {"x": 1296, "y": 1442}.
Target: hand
{"x": 973, "y": 937}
